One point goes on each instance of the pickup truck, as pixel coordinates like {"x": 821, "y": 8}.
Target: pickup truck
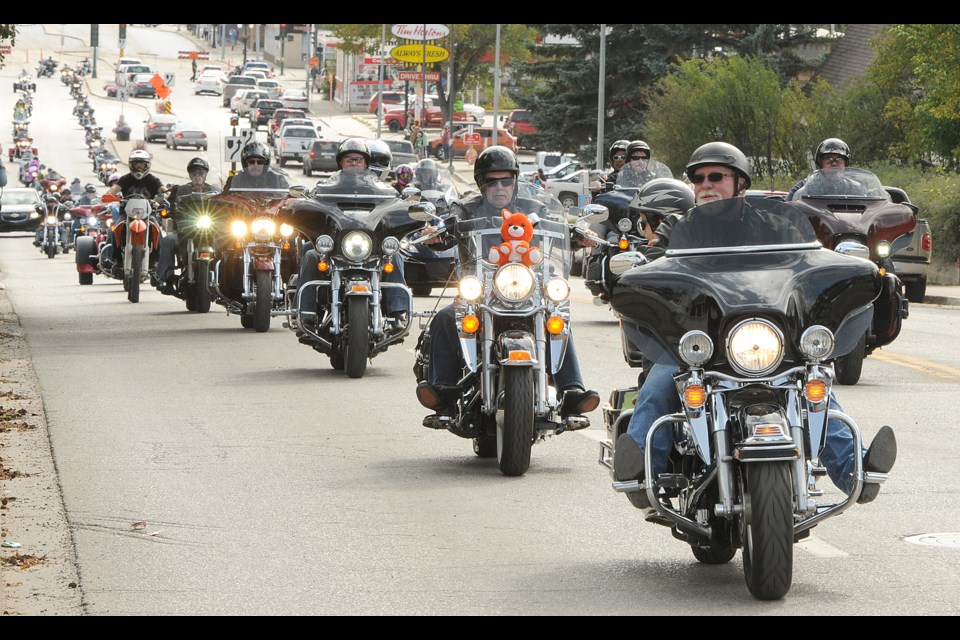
{"x": 911, "y": 253}
{"x": 294, "y": 142}
{"x": 574, "y": 189}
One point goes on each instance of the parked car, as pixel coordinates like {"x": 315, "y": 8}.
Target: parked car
{"x": 249, "y": 97}
{"x": 209, "y": 83}
{"x": 186, "y": 135}
{"x": 21, "y": 209}
{"x": 296, "y": 98}
{"x": 518, "y": 123}
{"x": 402, "y": 152}
{"x": 158, "y": 126}
{"x": 389, "y": 98}
{"x": 459, "y": 146}
{"x": 263, "y": 111}
{"x": 279, "y": 116}
{"x": 140, "y": 87}
{"x": 573, "y": 189}
{"x": 236, "y": 83}
{"x": 273, "y": 87}
{"x": 475, "y": 112}
{"x": 322, "y": 156}
{"x": 294, "y": 141}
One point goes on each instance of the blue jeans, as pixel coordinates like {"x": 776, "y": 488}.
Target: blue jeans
{"x": 658, "y": 397}
{"x": 392, "y": 299}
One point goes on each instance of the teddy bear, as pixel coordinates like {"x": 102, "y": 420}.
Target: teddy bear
{"x": 516, "y": 231}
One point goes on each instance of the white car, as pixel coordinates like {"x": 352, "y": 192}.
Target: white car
{"x": 271, "y": 86}
{"x": 248, "y": 100}
{"x": 209, "y": 83}
{"x": 293, "y": 141}
{"x": 296, "y": 98}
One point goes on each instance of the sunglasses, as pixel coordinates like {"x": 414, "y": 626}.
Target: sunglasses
{"x": 139, "y": 166}
{"x": 500, "y": 182}
{"x": 837, "y": 160}
{"x": 639, "y": 158}
{"x": 620, "y": 157}
{"x": 256, "y": 161}
{"x": 353, "y": 160}
{"x": 713, "y": 177}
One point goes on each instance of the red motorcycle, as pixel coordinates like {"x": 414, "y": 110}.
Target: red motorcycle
{"x": 19, "y": 146}
{"x": 92, "y": 224}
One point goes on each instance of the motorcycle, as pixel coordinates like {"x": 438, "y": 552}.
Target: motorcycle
{"x": 879, "y": 226}
{"x": 24, "y": 83}
{"x": 618, "y": 233}
{"x": 22, "y": 147}
{"x": 52, "y": 185}
{"x": 94, "y": 236}
{"x": 196, "y": 226}
{"x": 255, "y": 254}
{"x": 425, "y": 269}
{"x": 56, "y": 236}
{"x": 752, "y": 329}
{"x": 21, "y": 128}
{"x": 508, "y": 317}
{"x": 138, "y": 241}
{"x": 46, "y": 68}
{"x": 84, "y": 68}
{"x": 105, "y": 164}
{"x": 357, "y": 223}
{"x": 85, "y": 116}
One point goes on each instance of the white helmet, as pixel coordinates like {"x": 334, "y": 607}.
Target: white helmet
{"x": 140, "y": 156}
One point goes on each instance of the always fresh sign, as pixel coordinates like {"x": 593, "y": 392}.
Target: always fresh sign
{"x": 414, "y": 53}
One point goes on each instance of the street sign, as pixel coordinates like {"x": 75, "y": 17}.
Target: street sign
{"x": 471, "y": 138}
{"x": 417, "y": 76}
{"x": 420, "y": 31}
{"x": 414, "y": 53}
{"x": 232, "y": 149}
{"x": 123, "y": 94}
{"x": 246, "y": 136}
{"x": 123, "y": 45}
{"x": 168, "y": 79}
{"x": 6, "y": 49}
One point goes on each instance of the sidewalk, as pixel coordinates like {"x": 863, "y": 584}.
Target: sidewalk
{"x": 942, "y": 294}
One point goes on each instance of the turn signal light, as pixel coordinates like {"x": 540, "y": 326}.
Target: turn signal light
{"x": 815, "y": 391}
{"x": 470, "y": 324}
{"x": 623, "y": 244}
{"x": 360, "y": 288}
{"x": 388, "y": 267}
{"x": 555, "y": 325}
{"x": 323, "y": 266}
{"x": 521, "y": 356}
{"x": 694, "y": 396}
{"x": 883, "y": 272}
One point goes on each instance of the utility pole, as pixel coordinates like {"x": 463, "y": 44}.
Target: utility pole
{"x": 283, "y": 45}
{"x": 383, "y": 38}
{"x": 601, "y": 93}
{"x": 496, "y": 88}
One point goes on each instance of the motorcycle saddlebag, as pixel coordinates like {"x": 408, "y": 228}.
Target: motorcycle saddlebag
{"x": 889, "y": 310}
{"x": 421, "y": 366}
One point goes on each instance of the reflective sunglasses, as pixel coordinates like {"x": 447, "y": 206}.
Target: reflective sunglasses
{"x": 620, "y": 157}
{"x": 256, "y": 161}
{"x": 713, "y": 177}
{"x": 500, "y": 182}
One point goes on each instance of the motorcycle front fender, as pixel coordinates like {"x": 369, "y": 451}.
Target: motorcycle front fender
{"x": 516, "y": 348}
{"x": 263, "y": 263}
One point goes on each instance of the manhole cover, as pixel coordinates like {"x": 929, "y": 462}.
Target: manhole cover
{"x": 949, "y": 540}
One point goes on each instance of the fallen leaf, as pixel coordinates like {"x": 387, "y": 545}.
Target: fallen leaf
{"x": 152, "y": 533}
{"x": 139, "y": 525}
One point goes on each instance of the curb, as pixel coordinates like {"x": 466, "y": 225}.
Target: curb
{"x": 941, "y": 300}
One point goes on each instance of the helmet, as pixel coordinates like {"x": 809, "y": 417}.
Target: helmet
{"x": 495, "y": 158}
{"x": 620, "y": 145}
{"x": 66, "y": 193}
{"x": 638, "y": 145}
{"x": 380, "y": 155}
{"x": 405, "y": 173}
{"x": 52, "y": 199}
{"x": 660, "y": 197}
{"x": 427, "y": 170}
{"x": 90, "y": 188}
{"x": 198, "y": 163}
{"x": 114, "y": 177}
{"x": 139, "y": 155}
{"x": 835, "y": 146}
{"x": 353, "y": 145}
{"x": 723, "y": 154}
{"x": 255, "y": 150}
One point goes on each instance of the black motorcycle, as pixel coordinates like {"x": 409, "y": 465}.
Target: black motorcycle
{"x": 751, "y": 323}
{"x": 356, "y": 223}
{"x": 196, "y": 225}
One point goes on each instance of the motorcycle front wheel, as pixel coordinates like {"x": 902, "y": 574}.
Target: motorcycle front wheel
{"x": 515, "y": 430}
{"x": 767, "y": 529}
{"x": 261, "y": 313}
{"x": 201, "y": 287}
{"x": 133, "y": 295}
{"x": 358, "y": 332}
{"x": 51, "y": 249}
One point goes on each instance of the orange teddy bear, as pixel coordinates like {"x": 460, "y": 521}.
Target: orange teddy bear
{"x": 516, "y": 231}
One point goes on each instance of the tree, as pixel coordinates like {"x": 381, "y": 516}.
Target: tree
{"x": 7, "y": 32}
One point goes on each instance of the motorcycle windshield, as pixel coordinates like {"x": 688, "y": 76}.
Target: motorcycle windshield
{"x": 441, "y": 187}
{"x": 478, "y": 236}
{"x": 555, "y": 210}
{"x": 840, "y": 182}
{"x": 637, "y": 173}
{"x": 731, "y": 260}
{"x": 354, "y": 184}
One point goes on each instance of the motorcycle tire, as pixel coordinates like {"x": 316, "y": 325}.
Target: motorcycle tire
{"x": 202, "y": 287}
{"x": 189, "y": 300}
{"x": 263, "y": 281}
{"x": 246, "y": 320}
{"x": 51, "y": 250}
{"x": 133, "y": 295}
{"x": 515, "y": 429}
{"x": 421, "y": 290}
{"x": 358, "y": 337}
{"x": 849, "y": 367}
{"x": 767, "y": 536}
{"x": 86, "y": 278}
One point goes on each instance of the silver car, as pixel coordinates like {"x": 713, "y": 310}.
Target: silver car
{"x": 186, "y": 135}
{"x": 296, "y": 98}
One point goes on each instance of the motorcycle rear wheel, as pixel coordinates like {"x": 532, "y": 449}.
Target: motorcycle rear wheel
{"x": 849, "y": 367}
{"x": 261, "y": 313}
{"x": 133, "y": 295}
{"x": 515, "y": 430}
{"x": 767, "y": 529}
{"x": 358, "y": 336}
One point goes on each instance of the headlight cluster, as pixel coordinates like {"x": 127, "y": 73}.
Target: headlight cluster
{"x": 557, "y": 289}
{"x": 92, "y": 221}
{"x": 513, "y": 282}
{"x": 755, "y": 347}
{"x": 204, "y": 222}
{"x": 324, "y": 244}
{"x": 51, "y": 219}
{"x": 390, "y": 245}
{"x": 817, "y": 342}
{"x": 238, "y": 228}
{"x": 263, "y": 228}
{"x": 356, "y": 246}
{"x": 67, "y": 217}
{"x": 696, "y": 348}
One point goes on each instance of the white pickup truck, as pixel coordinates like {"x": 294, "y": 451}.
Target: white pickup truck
{"x": 912, "y": 253}
{"x": 293, "y": 142}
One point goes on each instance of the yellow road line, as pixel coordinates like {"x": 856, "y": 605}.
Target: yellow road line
{"x": 919, "y": 364}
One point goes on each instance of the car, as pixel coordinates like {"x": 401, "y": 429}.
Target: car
{"x": 519, "y": 125}
{"x": 279, "y": 116}
{"x": 126, "y": 72}
{"x": 237, "y": 97}
{"x": 262, "y": 111}
{"x": 296, "y": 98}
{"x": 257, "y": 65}
{"x": 140, "y": 87}
{"x": 293, "y": 141}
{"x": 249, "y": 97}
{"x": 459, "y": 146}
{"x": 110, "y": 88}
{"x": 157, "y": 127}
{"x": 475, "y": 112}
{"x": 573, "y": 189}
{"x": 236, "y": 83}
{"x": 389, "y": 98}
{"x": 209, "y": 83}
{"x": 21, "y": 209}
{"x": 273, "y": 88}
{"x": 259, "y": 75}
{"x": 402, "y": 152}
{"x": 213, "y": 68}
{"x": 128, "y": 60}
{"x": 186, "y": 135}
{"x": 912, "y": 253}
{"x": 322, "y": 156}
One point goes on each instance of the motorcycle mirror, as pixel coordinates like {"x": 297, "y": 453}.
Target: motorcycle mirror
{"x": 409, "y": 193}
{"x": 298, "y": 191}
{"x": 422, "y": 211}
{"x": 622, "y": 262}
{"x": 596, "y": 212}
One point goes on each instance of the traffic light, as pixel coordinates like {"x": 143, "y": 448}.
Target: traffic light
{"x": 123, "y": 32}
{"x": 282, "y": 33}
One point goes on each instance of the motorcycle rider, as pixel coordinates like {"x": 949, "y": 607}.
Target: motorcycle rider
{"x": 427, "y": 176}
{"x": 636, "y": 172}
{"x": 54, "y": 208}
{"x": 661, "y": 202}
{"x": 404, "y": 178}
{"x": 832, "y": 159}
{"x": 380, "y": 157}
{"x": 353, "y": 156}
{"x": 719, "y": 171}
{"x": 618, "y": 158}
{"x": 256, "y": 172}
{"x": 197, "y": 170}
{"x": 139, "y": 181}
{"x": 89, "y": 195}
{"x": 495, "y": 171}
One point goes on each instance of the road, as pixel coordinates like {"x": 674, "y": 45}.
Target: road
{"x": 209, "y": 470}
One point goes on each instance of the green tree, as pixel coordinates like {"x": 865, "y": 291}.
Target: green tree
{"x": 7, "y": 32}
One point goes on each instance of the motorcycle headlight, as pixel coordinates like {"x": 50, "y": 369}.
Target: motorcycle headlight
{"x": 286, "y": 230}
{"x": 34, "y": 215}
{"x": 263, "y": 228}
{"x": 356, "y": 246}
{"x": 67, "y": 217}
{"x": 92, "y": 221}
{"x": 883, "y": 249}
{"x": 51, "y": 219}
{"x": 390, "y": 245}
{"x": 755, "y": 347}
{"x": 204, "y": 222}
{"x": 513, "y": 282}
{"x": 817, "y": 342}
{"x": 696, "y": 348}
{"x": 558, "y": 289}
{"x": 324, "y": 244}
{"x": 471, "y": 288}
{"x": 624, "y": 224}
{"x": 239, "y": 228}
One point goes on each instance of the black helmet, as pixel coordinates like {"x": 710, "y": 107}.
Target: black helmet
{"x": 255, "y": 150}
{"x": 495, "y": 158}
{"x": 835, "y": 146}
{"x": 618, "y": 145}
{"x": 427, "y": 170}
{"x": 722, "y": 154}
{"x": 660, "y": 197}
{"x": 380, "y": 155}
{"x": 638, "y": 145}
{"x": 198, "y": 163}
{"x": 354, "y": 145}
